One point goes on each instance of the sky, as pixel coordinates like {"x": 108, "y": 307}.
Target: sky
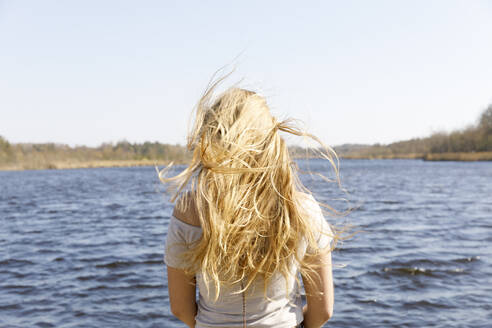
{"x": 89, "y": 72}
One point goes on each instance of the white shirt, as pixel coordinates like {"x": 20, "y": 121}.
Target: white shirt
{"x": 283, "y": 308}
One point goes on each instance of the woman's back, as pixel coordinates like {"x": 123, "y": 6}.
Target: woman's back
{"x": 279, "y": 305}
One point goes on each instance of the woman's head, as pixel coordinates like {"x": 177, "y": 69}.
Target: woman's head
{"x": 238, "y": 109}
{"x": 245, "y": 190}
{"x": 234, "y": 132}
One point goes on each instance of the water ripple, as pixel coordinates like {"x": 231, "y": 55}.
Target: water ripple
{"x": 84, "y": 248}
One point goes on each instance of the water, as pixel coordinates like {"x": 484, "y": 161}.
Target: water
{"x": 83, "y": 248}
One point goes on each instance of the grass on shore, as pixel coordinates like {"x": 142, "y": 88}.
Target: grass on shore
{"x": 465, "y": 157}
{"x": 462, "y": 157}
{"x": 382, "y": 156}
{"x": 70, "y": 164}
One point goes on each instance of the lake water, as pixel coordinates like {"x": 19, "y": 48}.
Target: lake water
{"x": 84, "y": 248}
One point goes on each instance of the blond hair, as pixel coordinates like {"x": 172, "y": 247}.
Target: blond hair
{"x": 246, "y": 192}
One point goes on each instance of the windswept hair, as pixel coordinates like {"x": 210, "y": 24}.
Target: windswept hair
{"x": 246, "y": 192}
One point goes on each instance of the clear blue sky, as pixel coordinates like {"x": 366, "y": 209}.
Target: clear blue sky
{"x": 87, "y": 72}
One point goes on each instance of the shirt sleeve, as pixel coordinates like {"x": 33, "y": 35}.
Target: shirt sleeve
{"x": 180, "y": 237}
{"x": 322, "y": 229}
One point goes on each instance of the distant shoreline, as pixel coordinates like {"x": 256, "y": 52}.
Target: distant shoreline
{"x": 61, "y": 165}
{"x": 471, "y": 144}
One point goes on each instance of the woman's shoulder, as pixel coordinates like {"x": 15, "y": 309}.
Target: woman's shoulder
{"x": 310, "y": 207}
{"x": 306, "y": 199}
{"x": 185, "y": 210}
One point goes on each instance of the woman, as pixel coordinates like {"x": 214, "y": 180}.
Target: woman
{"x": 247, "y": 229}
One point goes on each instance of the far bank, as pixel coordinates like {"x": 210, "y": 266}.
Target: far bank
{"x": 458, "y": 156}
